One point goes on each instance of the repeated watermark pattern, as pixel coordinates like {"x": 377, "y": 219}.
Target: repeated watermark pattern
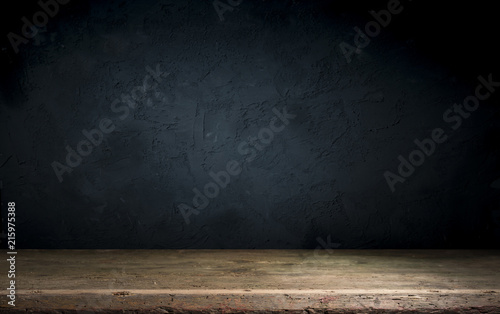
{"x": 327, "y": 245}
{"x": 31, "y": 28}
{"x": 222, "y": 7}
{"x": 454, "y": 116}
{"x": 249, "y": 149}
{"x": 323, "y": 249}
{"x": 93, "y": 138}
{"x": 372, "y": 29}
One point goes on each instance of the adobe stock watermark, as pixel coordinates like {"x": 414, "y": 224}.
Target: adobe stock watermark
{"x": 372, "y": 29}
{"x": 314, "y": 261}
{"x": 221, "y": 7}
{"x": 93, "y": 138}
{"x": 453, "y": 116}
{"x": 327, "y": 245}
{"x": 40, "y": 19}
{"x": 249, "y": 149}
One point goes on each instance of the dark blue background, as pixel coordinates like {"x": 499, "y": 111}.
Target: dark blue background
{"x": 321, "y": 176}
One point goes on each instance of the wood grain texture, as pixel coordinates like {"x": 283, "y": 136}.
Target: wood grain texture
{"x": 256, "y": 280}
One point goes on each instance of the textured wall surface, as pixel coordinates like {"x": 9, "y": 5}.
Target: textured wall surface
{"x": 320, "y": 174}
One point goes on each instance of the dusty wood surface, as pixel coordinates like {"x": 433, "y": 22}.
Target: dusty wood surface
{"x": 339, "y": 281}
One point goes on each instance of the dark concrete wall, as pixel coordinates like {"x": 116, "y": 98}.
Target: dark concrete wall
{"x": 319, "y": 180}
